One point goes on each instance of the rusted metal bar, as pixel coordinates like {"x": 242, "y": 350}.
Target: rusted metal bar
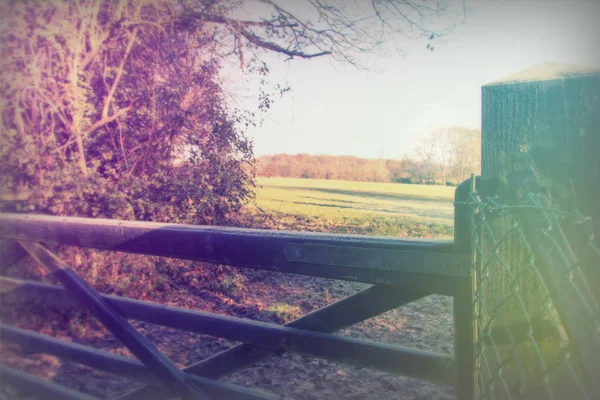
{"x": 163, "y": 368}
{"x": 38, "y": 387}
{"x": 431, "y": 265}
{"x": 119, "y": 365}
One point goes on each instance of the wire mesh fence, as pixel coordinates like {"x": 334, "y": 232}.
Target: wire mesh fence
{"x": 536, "y": 273}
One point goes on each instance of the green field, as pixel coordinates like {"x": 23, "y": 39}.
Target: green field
{"x": 359, "y": 207}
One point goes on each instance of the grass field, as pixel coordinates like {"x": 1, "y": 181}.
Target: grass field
{"x": 358, "y": 207}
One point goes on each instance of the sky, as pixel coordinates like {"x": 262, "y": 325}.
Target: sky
{"x": 382, "y": 112}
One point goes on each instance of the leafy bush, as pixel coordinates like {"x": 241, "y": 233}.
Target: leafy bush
{"x": 184, "y": 194}
{"x": 114, "y": 123}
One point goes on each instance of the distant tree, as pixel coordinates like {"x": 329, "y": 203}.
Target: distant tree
{"x": 466, "y": 145}
{"x": 401, "y": 171}
{"x": 435, "y": 153}
{"x": 451, "y": 152}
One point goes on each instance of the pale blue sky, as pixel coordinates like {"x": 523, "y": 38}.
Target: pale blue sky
{"x": 336, "y": 109}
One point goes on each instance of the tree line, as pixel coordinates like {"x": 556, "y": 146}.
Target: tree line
{"x": 445, "y": 156}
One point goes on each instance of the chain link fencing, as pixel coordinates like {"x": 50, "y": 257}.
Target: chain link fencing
{"x": 536, "y": 282}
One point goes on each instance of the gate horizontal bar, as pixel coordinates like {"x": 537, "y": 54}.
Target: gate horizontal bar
{"x": 360, "y": 306}
{"x": 39, "y": 387}
{"x": 421, "y": 364}
{"x": 118, "y": 365}
{"x": 429, "y": 264}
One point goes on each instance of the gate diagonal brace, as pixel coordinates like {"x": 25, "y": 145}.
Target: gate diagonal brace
{"x": 163, "y": 368}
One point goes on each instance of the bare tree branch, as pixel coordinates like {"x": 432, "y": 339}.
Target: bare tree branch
{"x": 119, "y": 74}
{"x": 254, "y": 39}
{"x": 105, "y": 120}
{"x": 313, "y": 28}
